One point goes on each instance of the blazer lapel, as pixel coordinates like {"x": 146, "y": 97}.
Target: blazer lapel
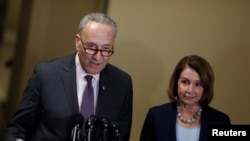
{"x": 69, "y": 82}
{"x": 103, "y": 90}
{"x": 203, "y": 125}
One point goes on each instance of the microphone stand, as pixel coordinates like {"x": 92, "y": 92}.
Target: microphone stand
{"x": 75, "y": 133}
{"x": 91, "y": 125}
{"x": 116, "y": 136}
{"x": 105, "y": 128}
{"x": 77, "y": 120}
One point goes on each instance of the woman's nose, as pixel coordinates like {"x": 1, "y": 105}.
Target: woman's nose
{"x": 190, "y": 88}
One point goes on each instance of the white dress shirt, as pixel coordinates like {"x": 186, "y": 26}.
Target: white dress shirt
{"x": 81, "y": 82}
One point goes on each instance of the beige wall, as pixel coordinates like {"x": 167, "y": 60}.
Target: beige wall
{"x": 154, "y": 35}
{"x": 12, "y": 14}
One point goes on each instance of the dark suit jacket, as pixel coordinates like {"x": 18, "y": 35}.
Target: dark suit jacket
{"x": 160, "y": 122}
{"x": 50, "y": 99}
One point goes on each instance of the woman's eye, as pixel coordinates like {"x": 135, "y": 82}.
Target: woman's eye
{"x": 185, "y": 82}
{"x": 199, "y": 84}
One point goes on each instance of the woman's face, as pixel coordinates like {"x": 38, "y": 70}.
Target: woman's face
{"x": 190, "y": 89}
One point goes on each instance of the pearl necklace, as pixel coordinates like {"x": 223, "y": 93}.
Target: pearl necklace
{"x": 191, "y": 120}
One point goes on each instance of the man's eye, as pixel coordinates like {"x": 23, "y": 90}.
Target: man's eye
{"x": 108, "y": 48}
{"x": 91, "y": 46}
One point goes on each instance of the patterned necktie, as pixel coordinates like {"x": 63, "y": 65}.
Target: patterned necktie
{"x": 87, "y": 106}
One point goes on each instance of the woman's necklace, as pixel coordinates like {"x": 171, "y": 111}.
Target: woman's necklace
{"x": 191, "y": 120}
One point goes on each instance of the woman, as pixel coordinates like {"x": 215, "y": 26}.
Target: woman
{"x": 188, "y": 115}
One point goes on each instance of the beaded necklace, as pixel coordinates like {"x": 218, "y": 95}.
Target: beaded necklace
{"x": 191, "y": 120}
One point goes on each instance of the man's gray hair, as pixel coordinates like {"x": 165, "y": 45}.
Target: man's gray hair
{"x": 99, "y": 18}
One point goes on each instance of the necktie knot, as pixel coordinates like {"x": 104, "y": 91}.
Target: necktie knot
{"x": 89, "y": 79}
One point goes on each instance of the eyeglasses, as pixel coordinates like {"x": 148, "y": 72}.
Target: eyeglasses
{"x": 92, "y": 49}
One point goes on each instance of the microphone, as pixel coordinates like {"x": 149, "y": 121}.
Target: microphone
{"x": 105, "y": 128}
{"x": 115, "y": 131}
{"x": 77, "y": 120}
{"x": 90, "y": 127}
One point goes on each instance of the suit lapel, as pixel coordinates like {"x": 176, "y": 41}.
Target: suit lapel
{"x": 103, "y": 90}
{"x": 204, "y": 122}
{"x": 69, "y": 82}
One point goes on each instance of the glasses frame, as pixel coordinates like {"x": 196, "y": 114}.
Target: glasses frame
{"x": 96, "y": 49}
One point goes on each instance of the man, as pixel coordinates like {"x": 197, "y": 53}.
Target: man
{"x": 55, "y": 90}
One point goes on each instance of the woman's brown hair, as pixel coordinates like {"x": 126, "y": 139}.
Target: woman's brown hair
{"x": 206, "y": 74}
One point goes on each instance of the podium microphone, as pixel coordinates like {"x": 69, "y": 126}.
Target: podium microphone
{"x": 90, "y": 128}
{"x": 105, "y": 128}
{"x": 115, "y": 131}
{"x": 77, "y": 120}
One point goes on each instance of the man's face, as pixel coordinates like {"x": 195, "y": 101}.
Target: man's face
{"x": 94, "y": 36}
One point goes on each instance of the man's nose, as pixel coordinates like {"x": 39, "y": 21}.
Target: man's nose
{"x": 98, "y": 54}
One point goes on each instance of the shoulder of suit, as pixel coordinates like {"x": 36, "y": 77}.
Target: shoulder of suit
{"x": 63, "y": 59}
{"x": 114, "y": 69}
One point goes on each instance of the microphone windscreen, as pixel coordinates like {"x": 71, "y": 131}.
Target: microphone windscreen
{"x": 92, "y": 122}
{"x": 77, "y": 118}
{"x": 105, "y": 122}
{"x": 115, "y": 127}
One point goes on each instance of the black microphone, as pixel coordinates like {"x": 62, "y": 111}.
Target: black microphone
{"x": 77, "y": 121}
{"x": 115, "y": 131}
{"x": 90, "y": 127}
{"x": 105, "y": 129}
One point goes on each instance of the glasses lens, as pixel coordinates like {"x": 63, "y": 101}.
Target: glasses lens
{"x": 90, "y": 51}
{"x": 106, "y": 53}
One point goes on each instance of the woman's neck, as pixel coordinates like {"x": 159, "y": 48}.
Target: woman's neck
{"x": 188, "y": 115}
